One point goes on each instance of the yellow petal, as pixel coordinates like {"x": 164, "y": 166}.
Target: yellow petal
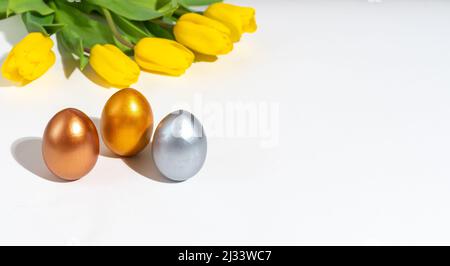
{"x": 230, "y": 19}
{"x": 35, "y": 64}
{"x": 29, "y": 59}
{"x": 10, "y": 69}
{"x": 163, "y": 56}
{"x": 115, "y": 67}
{"x": 41, "y": 67}
{"x": 205, "y": 21}
{"x": 203, "y": 35}
{"x": 238, "y": 19}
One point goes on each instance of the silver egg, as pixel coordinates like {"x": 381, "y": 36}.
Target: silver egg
{"x": 179, "y": 146}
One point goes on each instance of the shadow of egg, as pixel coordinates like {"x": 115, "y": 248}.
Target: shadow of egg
{"x": 144, "y": 165}
{"x": 104, "y": 151}
{"x": 28, "y": 153}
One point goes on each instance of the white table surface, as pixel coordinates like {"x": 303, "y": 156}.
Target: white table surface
{"x": 352, "y": 144}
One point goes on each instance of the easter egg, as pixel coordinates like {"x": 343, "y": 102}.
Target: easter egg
{"x": 127, "y": 122}
{"x": 70, "y": 145}
{"x": 179, "y": 146}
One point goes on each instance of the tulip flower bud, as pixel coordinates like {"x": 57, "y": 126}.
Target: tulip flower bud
{"x": 237, "y": 19}
{"x": 115, "y": 67}
{"x": 29, "y": 59}
{"x": 163, "y": 56}
{"x": 203, "y": 35}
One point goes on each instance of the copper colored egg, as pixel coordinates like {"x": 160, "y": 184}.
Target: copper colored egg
{"x": 127, "y": 122}
{"x": 70, "y": 144}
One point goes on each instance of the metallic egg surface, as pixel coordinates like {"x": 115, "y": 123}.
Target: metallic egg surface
{"x": 127, "y": 122}
{"x": 179, "y": 146}
{"x": 70, "y": 146}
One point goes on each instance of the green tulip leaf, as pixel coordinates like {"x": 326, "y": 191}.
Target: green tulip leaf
{"x": 188, "y": 3}
{"x": 71, "y": 46}
{"x": 22, "y": 6}
{"x": 159, "y": 31}
{"x": 139, "y": 10}
{"x": 91, "y": 31}
{"x": 3, "y": 8}
{"x": 167, "y": 7}
{"x": 134, "y": 30}
{"x": 38, "y": 23}
{"x": 81, "y": 32}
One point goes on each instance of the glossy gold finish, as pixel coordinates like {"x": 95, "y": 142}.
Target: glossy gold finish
{"x": 70, "y": 145}
{"x": 127, "y": 123}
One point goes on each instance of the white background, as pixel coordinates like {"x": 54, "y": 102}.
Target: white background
{"x": 363, "y": 89}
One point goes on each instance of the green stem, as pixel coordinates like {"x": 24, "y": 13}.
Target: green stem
{"x": 115, "y": 31}
{"x": 163, "y": 24}
{"x": 180, "y": 12}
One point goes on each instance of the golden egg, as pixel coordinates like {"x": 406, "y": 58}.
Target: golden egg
{"x": 127, "y": 122}
{"x": 70, "y": 144}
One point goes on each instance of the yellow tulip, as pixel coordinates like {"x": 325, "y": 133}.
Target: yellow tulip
{"x": 203, "y": 35}
{"x": 163, "y": 56}
{"x": 238, "y": 19}
{"x": 29, "y": 59}
{"x": 115, "y": 67}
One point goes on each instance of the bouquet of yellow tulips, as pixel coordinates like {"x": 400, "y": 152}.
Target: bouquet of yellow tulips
{"x": 118, "y": 38}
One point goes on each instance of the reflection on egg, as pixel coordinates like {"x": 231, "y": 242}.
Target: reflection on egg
{"x": 179, "y": 146}
{"x": 70, "y": 144}
{"x": 127, "y": 122}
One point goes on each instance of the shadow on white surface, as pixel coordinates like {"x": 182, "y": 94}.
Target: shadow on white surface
{"x": 104, "y": 151}
{"x": 28, "y": 153}
{"x": 13, "y": 30}
{"x": 4, "y": 82}
{"x": 144, "y": 165}
{"x": 69, "y": 64}
{"x": 92, "y": 75}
